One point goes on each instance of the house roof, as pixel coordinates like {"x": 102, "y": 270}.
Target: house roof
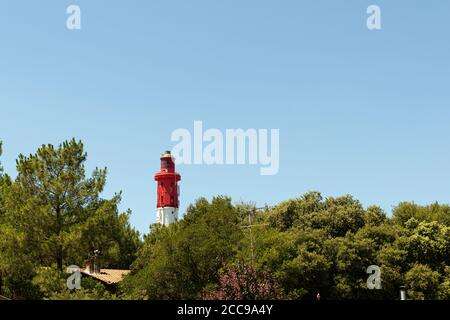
{"x": 108, "y": 276}
{"x": 3, "y": 298}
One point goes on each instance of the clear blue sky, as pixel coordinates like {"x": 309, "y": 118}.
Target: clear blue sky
{"x": 359, "y": 112}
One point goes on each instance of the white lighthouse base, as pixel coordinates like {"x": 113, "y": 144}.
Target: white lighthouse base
{"x": 167, "y": 215}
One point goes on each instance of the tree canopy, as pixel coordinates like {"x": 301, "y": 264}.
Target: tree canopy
{"x": 52, "y": 215}
{"x": 302, "y": 247}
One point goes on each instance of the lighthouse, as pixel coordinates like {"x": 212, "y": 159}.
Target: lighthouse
{"x": 168, "y": 191}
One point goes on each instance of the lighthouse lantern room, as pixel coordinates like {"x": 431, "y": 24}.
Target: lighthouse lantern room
{"x": 168, "y": 191}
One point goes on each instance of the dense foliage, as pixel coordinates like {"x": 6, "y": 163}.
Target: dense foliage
{"x": 301, "y": 247}
{"x": 52, "y": 216}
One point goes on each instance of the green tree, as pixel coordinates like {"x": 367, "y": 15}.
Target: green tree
{"x": 337, "y": 216}
{"x": 427, "y": 243}
{"x": 179, "y": 261}
{"x": 374, "y": 216}
{"x": 434, "y": 212}
{"x": 16, "y": 266}
{"x": 393, "y": 262}
{"x": 61, "y": 211}
{"x": 444, "y": 289}
{"x": 294, "y": 212}
{"x": 422, "y": 283}
{"x": 54, "y": 215}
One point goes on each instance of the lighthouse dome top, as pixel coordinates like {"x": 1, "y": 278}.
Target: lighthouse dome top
{"x": 167, "y": 154}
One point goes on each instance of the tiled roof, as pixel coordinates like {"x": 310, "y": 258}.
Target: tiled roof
{"x": 108, "y": 276}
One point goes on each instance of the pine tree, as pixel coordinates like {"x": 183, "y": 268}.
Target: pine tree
{"x": 60, "y": 212}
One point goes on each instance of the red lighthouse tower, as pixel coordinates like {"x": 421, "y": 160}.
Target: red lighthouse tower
{"x": 168, "y": 191}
